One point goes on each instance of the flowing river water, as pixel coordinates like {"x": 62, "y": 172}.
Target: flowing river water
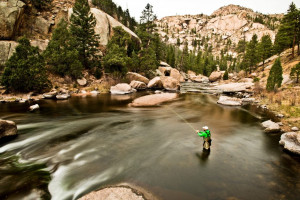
{"x": 70, "y": 148}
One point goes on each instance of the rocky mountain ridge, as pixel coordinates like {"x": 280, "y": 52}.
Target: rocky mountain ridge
{"x": 222, "y": 30}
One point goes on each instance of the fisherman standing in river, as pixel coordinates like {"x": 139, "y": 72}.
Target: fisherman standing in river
{"x": 206, "y": 138}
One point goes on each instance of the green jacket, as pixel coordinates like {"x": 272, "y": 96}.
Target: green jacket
{"x": 204, "y": 134}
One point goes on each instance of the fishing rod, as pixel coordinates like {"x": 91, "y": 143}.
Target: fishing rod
{"x": 189, "y": 124}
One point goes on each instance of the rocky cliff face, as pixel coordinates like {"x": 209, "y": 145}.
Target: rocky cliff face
{"x": 18, "y": 19}
{"x": 223, "y": 29}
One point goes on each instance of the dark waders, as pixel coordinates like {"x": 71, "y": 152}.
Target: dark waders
{"x": 206, "y": 143}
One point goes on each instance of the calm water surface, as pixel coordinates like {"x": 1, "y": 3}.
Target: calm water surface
{"x": 89, "y": 142}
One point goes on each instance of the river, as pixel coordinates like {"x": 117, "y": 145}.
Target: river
{"x": 70, "y": 148}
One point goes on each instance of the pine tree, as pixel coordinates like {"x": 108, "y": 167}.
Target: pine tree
{"x": 148, "y": 17}
{"x": 275, "y": 77}
{"x": 25, "y": 70}
{"x": 295, "y": 72}
{"x": 225, "y": 76}
{"x": 265, "y": 48}
{"x": 289, "y": 31}
{"x": 148, "y": 61}
{"x": 251, "y": 56}
{"x": 82, "y": 27}
{"x": 62, "y": 58}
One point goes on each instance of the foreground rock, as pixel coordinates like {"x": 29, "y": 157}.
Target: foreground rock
{"x": 229, "y": 101}
{"x": 155, "y": 83}
{"x": 153, "y": 100}
{"x": 234, "y": 87}
{"x": 137, "y": 77}
{"x": 170, "y": 83}
{"x": 271, "y": 127}
{"x": 215, "y": 76}
{"x": 138, "y": 85}
{"x": 122, "y": 88}
{"x": 7, "y": 128}
{"x": 120, "y": 193}
{"x": 291, "y": 142}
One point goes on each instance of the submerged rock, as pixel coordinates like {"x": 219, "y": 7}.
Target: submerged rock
{"x": 153, "y": 100}
{"x": 34, "y": 107}
{"x": 229, "y": 101}
{"x": 122, "y": 88}
{"x": 271, "y": 127}
{"x": 291, "y": 142}
{"x": 7, "y": 128}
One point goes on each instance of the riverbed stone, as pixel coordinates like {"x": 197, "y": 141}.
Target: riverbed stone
{"x": 295, "y": 128}
{"x": 229, "y": 101}
{"x": 121, "y": 88}
{"x": 7, "y": 128}
{"x": 234, "y": 87}
{"x": 291, "y": 142}
{"x": 137, "y": 77}
{"x": 215, "y": 76}
{"x": 153, "y": 100}
{"x": 155, "y": 83}
{"x": 138, "y": 85}
{"x": 62, "y": 96}
{"x": 50, "y": 95}
{"x": 170, "y": 83}
{"x": 271, "y": 127}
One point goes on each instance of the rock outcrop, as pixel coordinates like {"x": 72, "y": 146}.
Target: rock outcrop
{"x": 10, "y": 15}
{"x": 104, "y": 25}
{"x": 291, "y": 142}
{"x": 271, "y": 127}
{"x": 153, "y": 100}
{"x": 122, "y": 88}
{"x": 7, "y": 50}
{"x": 136, "y": 77}
{"x": 229, "y": 101}
{"x": 7, "y": 128}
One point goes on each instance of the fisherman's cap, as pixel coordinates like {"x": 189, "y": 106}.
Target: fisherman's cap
{"x": 205, "y": 127}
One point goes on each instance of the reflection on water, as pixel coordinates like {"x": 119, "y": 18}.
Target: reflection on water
{"x": 90, "y": 142}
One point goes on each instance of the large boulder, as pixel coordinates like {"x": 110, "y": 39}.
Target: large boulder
{"x": 153, "y": 100}
{"x": 271, "y": 127}
{"x": 234, "y": 87}
{"x": 105, "y": 24}
{"x": 171, "y": 72}
{"x": 121, "y": 88}
{"x": 215, "y": 76}
{"x": 11, "y": 12}
{"x": 155, "y": 83}
{"x": 170, "y": 83}
{"x": 7, "y": 128}
{"x": 138, "y": 85}
{"x": 291, "y": 142}
{"x": 229, "y": 101}
{"x": 136, "y": 77}
{"x": 7, "y": 50}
